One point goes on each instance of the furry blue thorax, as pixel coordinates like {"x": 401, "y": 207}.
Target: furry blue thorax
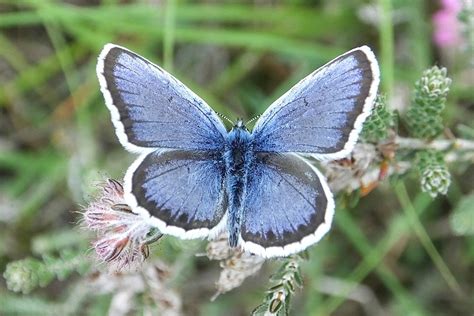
{"x": 239, "y": 158}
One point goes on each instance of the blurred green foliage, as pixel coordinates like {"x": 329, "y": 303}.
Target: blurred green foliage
{"x": 398, "y": 251}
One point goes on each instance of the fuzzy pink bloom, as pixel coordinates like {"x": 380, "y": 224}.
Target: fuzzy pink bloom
{"x": 123, "y": 235}
{"x": 447, "y": 28}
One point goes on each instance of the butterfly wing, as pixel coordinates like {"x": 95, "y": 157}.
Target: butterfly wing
{"x": 181, "y": 192}
{"x": 322, "y": 114}
{"x": 288, "y": 206}
{"x": 152, "y": 109}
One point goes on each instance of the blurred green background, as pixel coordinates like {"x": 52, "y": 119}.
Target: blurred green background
{"x": 56, "y": 142}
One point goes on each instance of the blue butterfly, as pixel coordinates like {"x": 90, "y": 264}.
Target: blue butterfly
{"x": 194, "y": 179}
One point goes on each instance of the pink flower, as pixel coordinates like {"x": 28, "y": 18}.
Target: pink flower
{"x": 447, "y": 28}
{"x": 124, "y": 236}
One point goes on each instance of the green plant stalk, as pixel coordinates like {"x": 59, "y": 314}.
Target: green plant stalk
{"x": 66, "y": 60}
{"x": 425, "y": 239}
{"x": 303, "y": 22}
{"x": 89, "y": 19}
{"x": 420, "y": 36}
{"x": 27, "y": 305}
{"x": 41, "y": 192}
{"x": 371, "y": 260}
{"x": 36, "y": 75}
{"x": 387, "y": 46}
{"x": 349, "y": 227}
{"x": 169, "y": 34}
{"x": 12, "y": 54}
{"x": 234, "y": 72}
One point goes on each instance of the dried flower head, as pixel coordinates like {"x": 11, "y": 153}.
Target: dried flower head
{"x": 236, "y": 265}
{"x": 219, "y": 249}
{"x": 124, "y": 237}
{"x": 346, "y": 174}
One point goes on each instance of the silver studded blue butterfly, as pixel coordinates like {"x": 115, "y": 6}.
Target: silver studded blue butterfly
{"x": 194, "y": 179}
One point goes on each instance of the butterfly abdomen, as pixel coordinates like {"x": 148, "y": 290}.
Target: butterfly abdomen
{"x": 238, "y": 158}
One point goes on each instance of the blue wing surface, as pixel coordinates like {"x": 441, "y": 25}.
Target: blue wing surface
{"x": 288, "y": 206}
{"x": 323, "y": 114}
{"x": 182, "y": 192}
{"x": 152, "y": 109}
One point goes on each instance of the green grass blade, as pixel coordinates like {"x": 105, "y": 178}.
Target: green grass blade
{"x": 425, "y": 239}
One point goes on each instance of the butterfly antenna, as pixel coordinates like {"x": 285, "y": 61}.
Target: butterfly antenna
{"x": 224, "y": 117}
{"x": 252, "y": 119}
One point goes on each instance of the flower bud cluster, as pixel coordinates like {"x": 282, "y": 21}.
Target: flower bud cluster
{"x": 424, "y": 115}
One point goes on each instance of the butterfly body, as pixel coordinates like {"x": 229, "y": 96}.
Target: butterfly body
{"x": 195, "y": 179}
{"x": 239, "y": 159}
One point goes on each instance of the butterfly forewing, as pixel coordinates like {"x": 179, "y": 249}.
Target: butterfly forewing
{"x": 177, "y": 181}
{"x": 152, "y": 109}
{"x": 322, "y": 114}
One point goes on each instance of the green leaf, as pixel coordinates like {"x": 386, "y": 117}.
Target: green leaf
{"x": 462, "y": 219}
{"x": 260, "y": 310}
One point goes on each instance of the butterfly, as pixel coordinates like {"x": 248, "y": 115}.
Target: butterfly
{"x": 195, "y": 179}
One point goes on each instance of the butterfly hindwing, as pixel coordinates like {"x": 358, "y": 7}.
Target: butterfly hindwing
{"x": 322, "y": 114}
{"x": 182, "y": 191}
{"x": 152, "y": 109}
{"x": 287, "y": 208}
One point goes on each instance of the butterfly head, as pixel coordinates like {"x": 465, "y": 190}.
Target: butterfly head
{"x": 239, "y": 135}
{"x": 239, "y": 124}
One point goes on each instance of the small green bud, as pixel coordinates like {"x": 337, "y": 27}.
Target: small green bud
{"x": 277, "y": 300}
{"x": 433, "y": 86}
{"x": 26, "y": 275}
{"x": 424, "y": 115}
{"x": 434, "y": 175}
{"x": 277, "y": 303}
{"x": 435, "y": 181}
{"x": 377, "y": 125}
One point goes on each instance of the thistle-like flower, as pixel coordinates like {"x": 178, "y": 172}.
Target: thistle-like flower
{"x": 124, "y": 237}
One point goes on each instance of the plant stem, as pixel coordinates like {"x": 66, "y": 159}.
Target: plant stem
{"x": 169, "y": 34}
{"x": 425, "y": 240}
{"x": 439, "y": 144}
{"x": 386, "y": 46}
